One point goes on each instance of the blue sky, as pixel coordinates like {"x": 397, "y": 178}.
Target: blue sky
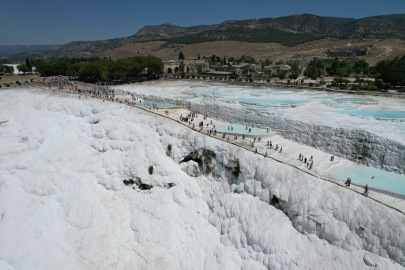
{"x": 28, "y": 22}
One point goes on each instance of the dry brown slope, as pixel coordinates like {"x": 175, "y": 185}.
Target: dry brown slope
{"x": 381, "y": 49}
{"x": 220, "y": 48}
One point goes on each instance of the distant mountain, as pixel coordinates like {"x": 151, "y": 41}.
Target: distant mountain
{"x": 296, "y": 29}
{"x": 340, "y": 20}
{"x": 34, "y": 55}
{"x": 170, "y": 30}
{"x": 379, "y": 26}
{"x": 288, "y": 31}
{"x": 395, "y": 16}
{"x": 14, "y": 49}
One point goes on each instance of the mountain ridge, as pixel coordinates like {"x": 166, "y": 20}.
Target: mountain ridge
{"x": 286, "y": 30}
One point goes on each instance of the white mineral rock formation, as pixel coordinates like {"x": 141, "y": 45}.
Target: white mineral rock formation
{"x": 360, "y": 139}
{"x": 64, "y": 205}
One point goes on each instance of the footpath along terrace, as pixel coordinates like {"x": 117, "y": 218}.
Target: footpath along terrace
{"x": 289, "y": 155}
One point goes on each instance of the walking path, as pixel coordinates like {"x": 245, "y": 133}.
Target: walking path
{"x": 288, "y": 155}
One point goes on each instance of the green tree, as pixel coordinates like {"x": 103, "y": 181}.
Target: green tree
{"x": 181, "y": 55}
{"x": 358, "y": 70}
{"x": 23, "y": 68}
{"x": 320, "y": 66}
{"x": 360, "y": 64}
{"x": 267, "y": 62}
{"x": 295, "y": 68}
{"x": 314, "y": 76}
{"x": 224, "y": 60}
{"x": 198, "y": 57}
{"x": 45, "y": 68}
{"x": 169, "y": 148}
{"x": 28, "y": 64}
{"x": 73, "y": 70}
{"x": 341, "y": 72}
{"x": 281, "y": 74}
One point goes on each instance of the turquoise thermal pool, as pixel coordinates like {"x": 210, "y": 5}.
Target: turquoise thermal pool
{"x": 238, "y": 129}
{"x": 271, "y": 101}
{"x": 362, "y": 175}
{"x": 377, "y": 114}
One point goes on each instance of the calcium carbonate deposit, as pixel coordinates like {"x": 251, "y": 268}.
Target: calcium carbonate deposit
{"x": 76, "y": 193}
{"x": 365, "y": 129}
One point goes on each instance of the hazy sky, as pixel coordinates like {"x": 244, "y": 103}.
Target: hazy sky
{"x": 28, "y": 22}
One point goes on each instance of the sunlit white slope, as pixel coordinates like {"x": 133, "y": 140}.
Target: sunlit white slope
{"x": 63, "y": 204}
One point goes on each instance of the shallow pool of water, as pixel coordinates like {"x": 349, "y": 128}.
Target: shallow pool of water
{"x": 296, "y": 163}
{"x": 355, "y": 100}
{"x": 377, "y": 114}
{"x": 363, "y": 175}
{"x": 271, "y": 101}
{"x": 326, "y": 97}
{"x": 238, "y": 129}
{"x": 160, "y": 105}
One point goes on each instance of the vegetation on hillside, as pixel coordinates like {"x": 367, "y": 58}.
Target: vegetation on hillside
{"x": 246, "y": 35}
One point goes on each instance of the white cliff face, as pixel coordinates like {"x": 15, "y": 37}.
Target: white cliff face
{"x": 366, "y": 140}
{"x": 64, "y": 205}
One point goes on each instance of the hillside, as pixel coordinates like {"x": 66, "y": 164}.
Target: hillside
{"x": 340, "y": 20}
{"x": 380, "y": 26}
{"x": 15, "y": 49}
{"x": 381, "y": 49}
{"x": 288, "y": 31}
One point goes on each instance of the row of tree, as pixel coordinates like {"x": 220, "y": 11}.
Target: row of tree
{"x": 103, "y": 69}
{"x": 217, "y": 59}
{"x": 390, "y": 72}
{"x": 5, "y": 69}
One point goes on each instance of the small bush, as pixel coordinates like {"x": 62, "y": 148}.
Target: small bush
{"x": 129, "y": 182}
{"x": 7, "y": 85}
{"x": 0, "y": 85}
{"x": 171, "y": 185}
{"x": 32, "y": 80}
{"x": 311, "y": 84}
{"x": 1, "y": 78}
{"x": 236, "y": 171}
{"x": 208, "y": 154}
{"x": 401, "y": 90}
{"x": 150, "y": 170}
{"x": 169, "y": 147}
{"x": 274, "y": 200}
{"x": 328, "y": 85}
